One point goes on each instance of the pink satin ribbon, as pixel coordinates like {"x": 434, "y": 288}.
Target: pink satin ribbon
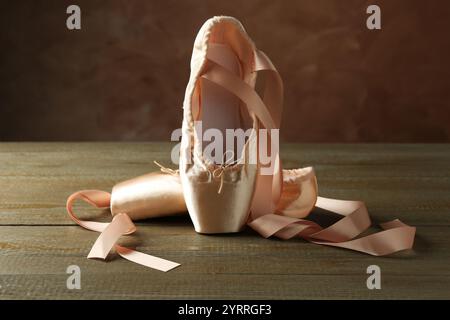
{"x": 396, "y": 236}
{"x": 267, "y": 222}
{"x": 264, "y": 216}
{"x": 111, "y": 232}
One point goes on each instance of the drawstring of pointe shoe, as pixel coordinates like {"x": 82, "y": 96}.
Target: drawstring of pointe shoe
{"x": 167, "y": 170}
{"x": 218, "y": 173}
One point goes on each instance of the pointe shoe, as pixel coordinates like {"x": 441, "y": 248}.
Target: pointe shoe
{"x": 218, "y": 192}
{"x": 220, "y": 95}
{"x": 157, "y": 194}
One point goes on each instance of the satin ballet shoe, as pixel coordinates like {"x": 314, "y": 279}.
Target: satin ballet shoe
{"x": 157, "y": 194}
{"x": 217, "y": 193}
{"x": 221, "y": 96}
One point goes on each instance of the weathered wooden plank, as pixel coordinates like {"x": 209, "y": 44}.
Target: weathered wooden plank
{"x": 138, "y": 286}
{"x": 411, "y": 182}
{"x": 34, "y": 259}
{"x": 38, "y": 242}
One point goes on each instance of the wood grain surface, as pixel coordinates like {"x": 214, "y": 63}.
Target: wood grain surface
{"x": 38, "y": 241}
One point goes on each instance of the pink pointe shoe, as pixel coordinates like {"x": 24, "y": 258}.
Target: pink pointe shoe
{"x": 220, "y": 97}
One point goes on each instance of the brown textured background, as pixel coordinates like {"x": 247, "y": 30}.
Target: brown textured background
{"x": 122, "y": 77}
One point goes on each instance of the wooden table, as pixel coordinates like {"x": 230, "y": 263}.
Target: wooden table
{"x": 38, "y": 241}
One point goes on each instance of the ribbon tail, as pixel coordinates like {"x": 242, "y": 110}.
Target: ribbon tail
{"x": 111, "y": 232}
{"x": 355, "y": 220}
{"x": 146, "y": 259}
{"x": 379, "y": 244}
{"x": 396, "y": 236}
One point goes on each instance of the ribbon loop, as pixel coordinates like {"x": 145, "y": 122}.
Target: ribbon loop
{"x": 111, "y": 232}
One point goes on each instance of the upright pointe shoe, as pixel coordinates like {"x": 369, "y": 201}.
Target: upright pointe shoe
{"x": 220, "y": 96}
{"x": 218, "y": 191}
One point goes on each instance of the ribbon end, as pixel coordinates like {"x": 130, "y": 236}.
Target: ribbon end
{"x": 146, "y": 259}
